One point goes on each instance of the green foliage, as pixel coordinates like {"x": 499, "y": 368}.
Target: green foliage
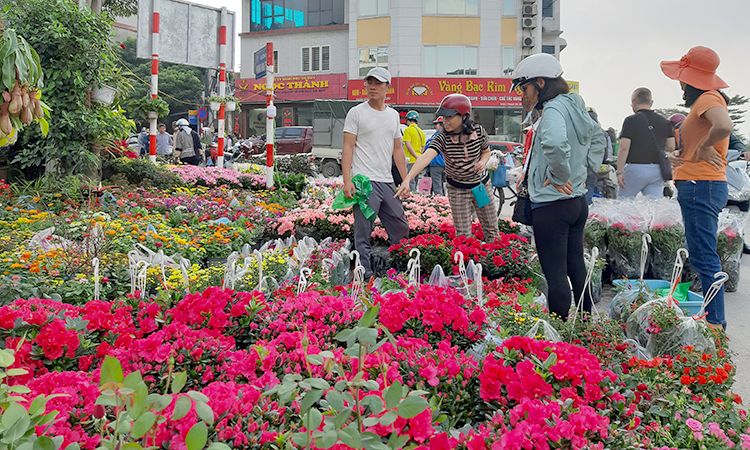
{"x": 55, "y": 28}
{"x": 180, "y": 86}
{"x": 142, "y": 106}
{"x": 122, "y": 8}
{"x": 141, "y": 172}
{"x": 295, "y": 183}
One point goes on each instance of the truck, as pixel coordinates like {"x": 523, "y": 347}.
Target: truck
{"x": 328, "y": 134}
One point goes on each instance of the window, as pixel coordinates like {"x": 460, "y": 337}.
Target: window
{"x": 276, "y": 14}
{"x": 372, "y": 8}
{"x": 509, "y": 60}
{"x": 549, "y": 49}
{"x": 548, "y": 9}
{"x": 510, "y": 7}
{"x": 293, "y": 133}
{"x": 316, "y": 59}
{"x": 445, "y": 60}
{"x": 450, "y": 7}
{"x": 275, "y": 61}
{"x": 372, "y": 57}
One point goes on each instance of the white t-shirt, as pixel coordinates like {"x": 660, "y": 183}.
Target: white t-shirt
{"x": 375, "y": 131}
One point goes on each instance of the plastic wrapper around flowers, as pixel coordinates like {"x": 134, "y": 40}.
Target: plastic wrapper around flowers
{"x": 730, "y": 246}
{"x": 628, "y": 300}
{"x": 624, "y": 238}
{"x": 667, "y": 236}
{"x": 543, "y": 330}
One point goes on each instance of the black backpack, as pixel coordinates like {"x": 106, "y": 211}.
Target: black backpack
{"x": 197, "y": 146}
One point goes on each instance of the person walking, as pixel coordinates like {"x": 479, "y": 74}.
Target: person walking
{"x": 700, "y": 167}
{"x": 437, "y": 165}
{"x": 567, "y": 142}
{"x": 372, "y": 141}
{"x": 414, "y": 143}
{"x": 465, "y": 147}
{"x": 143, "y": 142}
{"x": 644, "y": 135}
{"x": 164, "y": 142}
{"x": 185, "y": 150}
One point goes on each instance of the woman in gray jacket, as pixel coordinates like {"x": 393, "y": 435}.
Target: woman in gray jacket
{"x": 567, "y": 141}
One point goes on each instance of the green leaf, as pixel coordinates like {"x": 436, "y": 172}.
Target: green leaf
{"x": 219, "y": 446}
{"x": 16, "y": 372}
{"x": 350, "y": 436}
{"x": 318, "y": 383}
{"x": 309, "y": 400}
{"x": 393, "y": 395}
{"x": 388, "y": 418}
{"x": 73, "y": 446}
{"x": 369, "y": 317}
{"x": 44, "y": 443}
{"x": 6, "y": 358}
{"x": 341, "y": 418}
{"x": 335, "y": 399}
{"x": 37, "y": 405}
{"x": 373, "y": 403}
{"x": 411, "y": 406}
{"x": 367, "y": 336}
{"x": 313, "y": 419}
{"x": 326, "y": 439}
{"x": 143, "y": 424}
{"x": 16, "y": 422}
{"x": 315, "y": 360}
{"x": 197, "y": 436}
{"x": 111, "y": 371}
{"x": 179, "y": 379}
{"x": 181, "y": 408}
{"x": 205, "y": 412}
{"x": 301, "y": 439}
{"x": 197, "y": 396}
{"x": 345, "y": 335}
{"x": 133, "y": 380}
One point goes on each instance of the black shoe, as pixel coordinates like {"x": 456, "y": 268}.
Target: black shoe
{"x": 746, "y": 249}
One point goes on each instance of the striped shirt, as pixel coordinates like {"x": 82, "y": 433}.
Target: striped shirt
{"x": 461, "y": 156}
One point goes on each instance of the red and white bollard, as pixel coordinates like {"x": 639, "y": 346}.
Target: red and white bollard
{"x": 222, "y": 88}
{"x": 270, "y": 115}
{"x": 153, "y": 117}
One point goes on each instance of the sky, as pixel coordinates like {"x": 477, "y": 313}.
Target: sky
{"x": 615, "y": 47}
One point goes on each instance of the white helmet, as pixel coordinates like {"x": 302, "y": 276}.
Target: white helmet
{"x": 541, "y": 65}
{"x": 183, "y": 123}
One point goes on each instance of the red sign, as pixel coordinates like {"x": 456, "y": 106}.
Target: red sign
{"x": 295, "y": 88}
{"x": 492, "y": 92}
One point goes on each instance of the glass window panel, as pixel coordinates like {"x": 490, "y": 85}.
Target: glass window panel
{"x": 313, "y": 19}
{"x": 549, "y": 49}
{"x": 293, "y": 132}
{"x": 368, "y": 8}
{"x": 429, "y": 7}
{"x": 315, "y": 57}
{"x": 305, "y": 59}
{"x": 326, "y": 58}
{"x": 548, "y": 8}
{"x": 429, "y": 56}
{"x": 471, "y": 60}
{"x": 383, "y": 56}
{"x": 472, "y": 7}
{"x": 326, "y": 5}
{"x": 313, "y": 5}
{"x": 510, "y": 8}
{"x": 509, "y": 58}
{"x": 452, "y": 7}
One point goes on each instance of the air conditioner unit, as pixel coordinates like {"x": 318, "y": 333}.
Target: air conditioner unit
{"x": 527, "y": 41}
{"x": 529, "y": 10}
{"x": 528, "y": 23}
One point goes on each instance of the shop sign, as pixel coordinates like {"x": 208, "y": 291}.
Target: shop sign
{"x": 293, "y": 88}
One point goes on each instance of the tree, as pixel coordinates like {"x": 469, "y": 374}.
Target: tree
{"x": 180, "y": 86}
{"x": 122, "y": 8}
{"x": 737, "y": 111}
{"x": 76, "y": 55}
{"x": 667, "y": 112}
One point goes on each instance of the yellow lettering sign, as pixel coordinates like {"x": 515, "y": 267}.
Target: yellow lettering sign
{"x": 473, "y": 87}
{"x": 446, "y": 86}
{"x": 493, "y": 86}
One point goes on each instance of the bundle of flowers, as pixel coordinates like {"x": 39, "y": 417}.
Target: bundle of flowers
{"x": 507, "y": 257}
{"x": 433, "y": 251}
{"x": 730, "y": 245}
{"x": 433, "y": 313}
{"x": 625, "y": 240}
{"x": 211, "y": 176}
{"x": 595, "y": 233}
{"x": 666, "y": 239}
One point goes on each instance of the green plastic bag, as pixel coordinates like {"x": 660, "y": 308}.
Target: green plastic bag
{"x": 680, "y": 293}
{"x": 363, "y": 189}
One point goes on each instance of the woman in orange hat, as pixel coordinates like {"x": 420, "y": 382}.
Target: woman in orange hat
{"x": 700, "y": 167}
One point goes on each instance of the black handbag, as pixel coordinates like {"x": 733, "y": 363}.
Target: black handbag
{"x": 665, "y": 166}
{"x": 522, "y": 208}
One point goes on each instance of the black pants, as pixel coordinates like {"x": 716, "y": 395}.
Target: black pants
{"x": 192, "y": 160}
{"x": 558, "y": 232}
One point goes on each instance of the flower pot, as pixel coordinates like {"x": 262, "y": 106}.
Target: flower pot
{"x": 214, "y": 106}
{"x": 104, "y": 95}
{"x": 231, "y": 106}
{"x": 152, "y": 115}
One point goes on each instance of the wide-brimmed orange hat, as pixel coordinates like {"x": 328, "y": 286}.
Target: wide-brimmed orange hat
{"x": 697, "y": 68}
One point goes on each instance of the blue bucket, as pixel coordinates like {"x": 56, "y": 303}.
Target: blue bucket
{"x": 691, "y": 306}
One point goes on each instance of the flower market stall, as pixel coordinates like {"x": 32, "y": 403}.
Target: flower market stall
{"x": 199, "y": 310}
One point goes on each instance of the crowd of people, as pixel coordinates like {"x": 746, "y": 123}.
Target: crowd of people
{"x": 565, "y": 148}
{"x": 184, "y": 145}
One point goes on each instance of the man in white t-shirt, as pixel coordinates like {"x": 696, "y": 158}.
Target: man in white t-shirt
{"x": 372, "y": 141}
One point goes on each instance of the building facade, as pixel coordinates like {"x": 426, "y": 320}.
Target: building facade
{"x": 323, "y": 48}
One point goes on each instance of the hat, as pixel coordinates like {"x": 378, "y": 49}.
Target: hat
{"x": 380, "y": 74}
{"x": 697, "y": 68}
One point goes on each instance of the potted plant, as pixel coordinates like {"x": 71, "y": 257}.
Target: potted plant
{"x": 152, "y": 108}
{"x": 231, "y": 104}
{"x": 215, "y": 102}
{"x": 104, "y": 94}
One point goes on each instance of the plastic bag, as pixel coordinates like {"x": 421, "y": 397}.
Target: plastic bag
{"x": 624, "y": 238}
{"x": 730, "y": 246}
{"x": 438, "y": 278}
{"x": 362, "y": 193}
{"x": 626, "y": 301}
{"x": 656, "y": 325}
{"x": 680, "y": 293}
{"x": 543, "y": 330}
{"x": 667, "y": 236}
{"x": 738, "y": 182}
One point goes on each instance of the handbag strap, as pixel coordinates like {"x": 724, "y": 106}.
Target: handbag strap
{"x": 651, "y": 131}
